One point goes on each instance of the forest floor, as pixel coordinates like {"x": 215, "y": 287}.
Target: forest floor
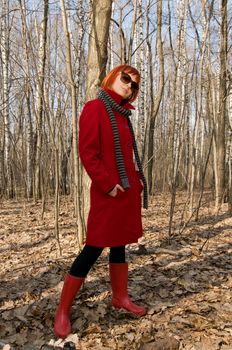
{"x": 185, "y": 282}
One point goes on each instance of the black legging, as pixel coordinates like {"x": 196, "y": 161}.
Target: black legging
{"x": 89, "y": 255}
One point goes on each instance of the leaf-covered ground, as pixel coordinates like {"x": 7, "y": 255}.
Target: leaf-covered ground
{"x": 185, "y": 282}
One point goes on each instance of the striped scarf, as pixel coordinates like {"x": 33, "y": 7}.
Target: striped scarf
{"x": 110, "y": 104}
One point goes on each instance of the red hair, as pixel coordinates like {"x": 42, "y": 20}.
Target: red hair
{"x": 111, "y": 76}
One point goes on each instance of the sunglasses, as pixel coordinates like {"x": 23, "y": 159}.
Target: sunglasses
{"x": 126, "y": 79}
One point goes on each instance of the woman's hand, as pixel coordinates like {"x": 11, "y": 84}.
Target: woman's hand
{"x": 115, "y": 190}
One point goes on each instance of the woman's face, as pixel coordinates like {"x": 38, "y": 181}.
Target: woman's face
{"x": 121, "y": 88}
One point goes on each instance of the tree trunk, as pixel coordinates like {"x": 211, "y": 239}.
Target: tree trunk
{"x": 179, "y": 103}
{"x": 40, "y": 97}
{"x": 159, "y": 94}
{"x": 96, "y": 68}
{"x": 132, "y": 33}
{"x": 7, "y": 177}
{"x": 72, "y": 86}
{"x": 229, "y": 146}
{"x": 29, "y": 128}
{"x": 221, "y": 115}
{"x": 97, "y": 54}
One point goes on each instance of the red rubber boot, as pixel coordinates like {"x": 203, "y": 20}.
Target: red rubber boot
{"x": 62, "y": 326}
{"x": 119, "y": 282}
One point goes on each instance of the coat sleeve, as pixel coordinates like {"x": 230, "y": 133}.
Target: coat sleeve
{"x": 90, "y": 147}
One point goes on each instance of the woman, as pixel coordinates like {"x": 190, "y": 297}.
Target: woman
{"x": 106, "y": 145}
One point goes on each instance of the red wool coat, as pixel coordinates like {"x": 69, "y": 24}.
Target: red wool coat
{"x": 112, "y": 221}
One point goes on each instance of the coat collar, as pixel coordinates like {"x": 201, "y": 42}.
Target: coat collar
{"x": 118, "y": 99}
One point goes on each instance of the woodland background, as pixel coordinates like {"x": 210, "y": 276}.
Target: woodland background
{"x": 53, "y": 56}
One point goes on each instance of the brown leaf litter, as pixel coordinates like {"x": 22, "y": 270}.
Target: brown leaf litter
{"x": 185, "y": 282}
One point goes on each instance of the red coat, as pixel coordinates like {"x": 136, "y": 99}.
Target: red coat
{"x": 112, "y": 221}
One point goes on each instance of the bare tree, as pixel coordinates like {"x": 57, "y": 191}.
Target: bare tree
{"x": 196, "y": 148}
{"x": 42, "y": 33}
{"x": 6, "y": 173}
{"x": 28, "y": 117}
{"x": 73, "y": 92}
{"x": 184, "y": 110}
{"x": 96, "y": 67}
{"x": 178, "y": 104}
{"x": 155, "y": 102}
{"x": 221, "y": 113}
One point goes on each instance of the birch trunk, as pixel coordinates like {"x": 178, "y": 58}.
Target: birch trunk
{"x": 6, "y": 145}
{"x": 179, "y": 103}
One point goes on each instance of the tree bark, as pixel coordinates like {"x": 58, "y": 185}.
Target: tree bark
{"x": 72, "y": 86}
{"x": 98, "y": 40}
{"x": 96, "y": 68}
{"x": 29, "y": 127}
{"x": 7, "y": 175}
{"x": 229, "y": 147}
{"x": 221, "y": 115}
{"x": 159, "y": 94}
{"x": 40, "y": 97}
